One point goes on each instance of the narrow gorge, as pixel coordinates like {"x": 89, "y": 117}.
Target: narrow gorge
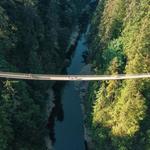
{"x": 87, "y": 37}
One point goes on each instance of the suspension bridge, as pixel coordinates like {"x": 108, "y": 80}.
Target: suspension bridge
{"x": 29, "y": 76}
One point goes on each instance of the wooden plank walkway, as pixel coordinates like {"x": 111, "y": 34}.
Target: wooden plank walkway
{"x": 25, "y": 76}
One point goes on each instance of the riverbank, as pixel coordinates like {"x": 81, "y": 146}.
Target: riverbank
{"x": 82, "y": 88}
{"x": 51, "y": 107}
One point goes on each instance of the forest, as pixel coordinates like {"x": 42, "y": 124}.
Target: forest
{"x": 118, "y": 111}
{"x": 34, "y": 35}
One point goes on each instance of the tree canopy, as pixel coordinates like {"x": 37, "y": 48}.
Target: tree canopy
{"x": 119, "y": 40}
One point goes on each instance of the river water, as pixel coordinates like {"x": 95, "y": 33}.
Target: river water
{"x": 69, "y": 132}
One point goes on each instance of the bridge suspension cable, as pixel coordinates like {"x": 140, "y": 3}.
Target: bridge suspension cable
{"x": 29, "y": 76}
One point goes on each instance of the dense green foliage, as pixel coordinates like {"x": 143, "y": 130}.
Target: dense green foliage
{"x": 119, "y": 43}
{"x": 33, "y": 37}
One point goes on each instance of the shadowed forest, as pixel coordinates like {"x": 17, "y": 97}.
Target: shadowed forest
{"x": 34, "y": 35}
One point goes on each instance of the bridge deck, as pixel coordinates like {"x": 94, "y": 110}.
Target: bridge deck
{"x": 25, "y": 76}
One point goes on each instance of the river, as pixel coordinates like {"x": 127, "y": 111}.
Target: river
{"x": 69, "y": 132}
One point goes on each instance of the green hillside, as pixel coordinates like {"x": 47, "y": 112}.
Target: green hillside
{"x": 118, "y": 114}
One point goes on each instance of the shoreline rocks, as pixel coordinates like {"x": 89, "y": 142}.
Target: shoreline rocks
{"x": 50, "y": 105}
